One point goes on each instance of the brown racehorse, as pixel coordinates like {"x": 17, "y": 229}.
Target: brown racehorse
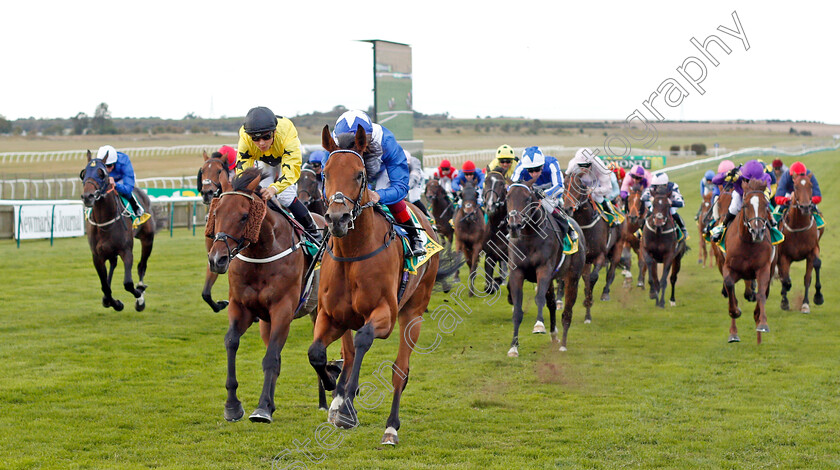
{"x": 600, "y": 238}
{"x": 442, "y": 209}
{"x": 635, "y": 218}
{"x": 209, "y": 187}
{"x": 802, "y": 242}
{"x": 660, "y": 244}
{"x": 361, "y": 285}
{"x": 721, "y": 205}
{"x": 470, "y": 229}
{"x": 537, "y": 256}
{"x": 749, "y": 256}
{"x": 110, "y": 234}
{"x": 309, "y": 192}
{"x": 702, "y": 220}
{"x": 260, "y": 251}
{"x": 495, "y": 251}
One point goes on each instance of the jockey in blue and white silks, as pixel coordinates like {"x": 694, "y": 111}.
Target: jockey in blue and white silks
{"x": 675, "y": 197}
{"x": 549, "y": 181}
{"x": 386, "y": 166}
{"x": 121, "y": 174}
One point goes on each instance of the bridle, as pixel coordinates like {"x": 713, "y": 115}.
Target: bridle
{"x": 656, "y": 215}
{"x": 207, "y": 181}
{"x": 341, "y": 198}
{"x": 241, "y": 243}
{"x": 490, "y": 190}
{"x": 440, "y": 195}
{"x": 747, "y": 222}
{"x": 99, "y": 194}
{"x": 312, "y": 199}
{"x": 526, "y": 214}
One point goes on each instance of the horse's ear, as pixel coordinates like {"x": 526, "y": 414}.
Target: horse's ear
{"x": 361, "y": 140}
{"x": 103, "y": 174}
{"x": 225, "y": 184}
{"x": 206, "y": 157}
{"x": 530, "y": 182}
{"x": 327, "y": 141}
{"x": 254, "y": 184}
{"x": 89, "y": 155}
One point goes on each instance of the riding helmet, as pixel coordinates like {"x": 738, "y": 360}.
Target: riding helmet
{"x": 260, "y": 119}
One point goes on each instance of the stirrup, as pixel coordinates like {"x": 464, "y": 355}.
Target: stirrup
{"x": 317, "y": 235}
{"x": 141, "y": 219}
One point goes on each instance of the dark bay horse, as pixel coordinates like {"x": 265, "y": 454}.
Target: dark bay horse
{"x": 802, "y": 242}
{"x": 601, "y": 239}
{"x": 635, "y": 218}
{"x": 260, "y": 251}
{"x": 470, "y": 229}
{"x": 702, "y": 219}
{"x": 536, "y": 255}
{"x": 442, "y": 210}
{"x": 362, "y": 285}
{"x": 309, "y": 192}
{"x": 495, "y": 192}
{"x": 749, "y": 256}
{"x": 210, "y": 187}
{"x": 660, "y": 244}
{"x": 110, "y": 233}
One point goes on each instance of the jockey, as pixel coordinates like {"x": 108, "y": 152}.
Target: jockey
{"x": 228, "y": 153}
{"x": 676, "y": 198}
{"x": 549, "y": 183}
{"x": 445, "y": 174}
{"x": 387, "y": 170}
{"x": 469, "y": 173}
{"x": 416, "y": 180}
{"x": 779, "y": 169}
{"x": 638, "y": 175}
{"x": 316, "y": 165}
{"x": 273, "y": 141}
{"x": 121, "y": 175}
{"x": 785, "y": 188}
{"x": 618, "y": 174}
{"x": 750, "y": 170}
{"x": 706, "y": 185}
{"x": 596, "y": 177}
{"x": 504, "y": 159}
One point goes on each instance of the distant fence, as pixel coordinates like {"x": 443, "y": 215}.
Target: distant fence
{"x": 756, "y": 152}
{"x": 70, "y": 188}
{"x": 62, "y": 155}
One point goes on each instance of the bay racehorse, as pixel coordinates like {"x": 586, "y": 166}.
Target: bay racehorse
{"x": 536, "y": 255}
{"x": 721, "y": 205}
{"x": 110, "y": 233}
{"x": 636, "y": 213}
{"x": 210, "y": 187}
{"x": 470, "y": 229}
{"x": 309, "y": 192}
{"x": 495, "y": 245}
{"x": 749, "y": 256}
{"x": 262, "y": 254}
{"x": 661, "y": 243}
{"x": 363, "y": 284}
{"x": 802, "y": 242}
{"x": 702, "y": 219}
{"x": 601, "y": 239}
{"x": 442, "y": 210}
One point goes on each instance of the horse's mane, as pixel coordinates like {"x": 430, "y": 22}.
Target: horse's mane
{"x": 660, "y": 190}
{"x": 242, "y": 180}
{"x": 217, "y": 155}
{"x": 757, "y": 185}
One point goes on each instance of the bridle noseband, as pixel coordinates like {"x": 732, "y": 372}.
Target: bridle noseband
{"x": 341, "y": 198}
{"x": 207, "y": 181}
{"x": 494, "y": 206}
{"x": 241, "y": 243}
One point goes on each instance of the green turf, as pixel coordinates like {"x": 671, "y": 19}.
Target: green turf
{"x": 86, "y": 387}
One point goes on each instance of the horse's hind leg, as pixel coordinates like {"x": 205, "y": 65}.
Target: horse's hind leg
{"x": 145, "y": 252}
{"x": 784, "y": 276}
{"x": 515, "y": 286}
{"x": 675, "y": 271}
{"x": 614, "y": 259}
{"x": 550, "y": 302}
{"x": 818, "y": 297}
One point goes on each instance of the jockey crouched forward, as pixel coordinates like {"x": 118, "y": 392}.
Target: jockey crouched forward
{"x": 597, "y": 176}
{"x": 468, "y": 173}
{"x": 548, "y": 184}
{"x": 661, "y": 179}
{"x": 749, "y": 171}
{"x": 387, "y": 170}
{"x": 273, "y": 141}
{"x": 784, "y": 191}
{"x": 121, "y": 175}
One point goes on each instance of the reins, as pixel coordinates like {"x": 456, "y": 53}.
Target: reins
{"x": 97, "y": 195}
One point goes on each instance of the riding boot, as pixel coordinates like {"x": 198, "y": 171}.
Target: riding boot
{"x": 422, "y": 207}
{"x": 302, "y": 215}
{"x": 718, "y": 231}
{"x": 414, "y": 240}
{"x": 563, "y": 222}
{"x": 680, "y": 223}
{"x": 140, "y": 215}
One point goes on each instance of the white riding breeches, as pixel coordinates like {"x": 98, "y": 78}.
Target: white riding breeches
{"x": 285, "y": 197}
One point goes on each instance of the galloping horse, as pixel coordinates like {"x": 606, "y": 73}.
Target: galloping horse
{"x": 722, "y": 205}
{"x": 802, "y": 241}
{"x": 309, "y": 192}
{"x": 261, "y": 253}
{"x": 540, "y": 259}
{"x": 495, "y": 190}
{"x": 635, "y": 218}
{"x": 702, "y": 219}
{"x": 210, "y": 187}
{"x": 601, "y": 239}
{"x": 363, "y": 287}
{"x": 660, "y": 244}
{"x": 470, "y": 228}
{"x": 110, "y": 234}
{"x": 749, "y": 255}
{"x": 442, "y": 209}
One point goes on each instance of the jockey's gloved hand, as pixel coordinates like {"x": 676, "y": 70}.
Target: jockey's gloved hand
{"x": 539, "y": 192}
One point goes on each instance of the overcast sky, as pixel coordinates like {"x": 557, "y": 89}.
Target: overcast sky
{"x": 537, "y": 59}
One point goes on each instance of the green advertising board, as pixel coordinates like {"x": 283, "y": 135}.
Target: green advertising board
{"x": 648, "y": 162}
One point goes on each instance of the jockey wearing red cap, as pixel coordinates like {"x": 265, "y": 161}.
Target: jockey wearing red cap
{"x": 445, "y": 173}
{"x": 785, "y": 188}
{"x": 469, "y": 173}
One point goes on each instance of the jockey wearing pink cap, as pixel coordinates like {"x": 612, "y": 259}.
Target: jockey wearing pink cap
{"x": 637, "y": 175}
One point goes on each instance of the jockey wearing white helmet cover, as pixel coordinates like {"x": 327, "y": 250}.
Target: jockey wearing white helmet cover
{"x": 675, "y": 197}
{"x": 597, "y": 174}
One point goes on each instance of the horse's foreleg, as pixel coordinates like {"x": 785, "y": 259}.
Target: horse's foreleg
{"x": 325, "y": 332}
{"x": 105, "y": 283}
{"x": 587, "y": 291}
{"x": 145, "y": 252}
{"x": 784, "y": 276}
{"x": 570, "y": 293}
{"x": 239, "y": 322}
{"x": 490, "y": 285}
{"x": 551, "y": 303}
{"x": 643, "y": 267}
{"x": 818, "y": 297}
{"x": 613, "y": 260}
{"x": 206, "y": 293}
{"x": 653, "y": 276}
{"x": 729, "y": 281}
{"x": 760, "y": 315}
{"x": 809, "y": 267}
{"x": 543, "y": 285}
{"x": 663, "y": 281}
{"x": 281, "y": 314}
{"x": 675, "y": 271}
{"x": 515, "y": 286}
{"x": 128, "y": 283}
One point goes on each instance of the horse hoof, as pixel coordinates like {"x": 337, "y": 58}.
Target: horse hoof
{"x": 105, "y": 302}
{"x": 734, "y": 339}
{"x": 587, "y": 321}
{"x": 554, "y": 336}
{"x": 140, "y": 303}
{"x": 345, "y": 421}
{"x": 818, "y": 298}
{"x": 563, "y": 349}
{"x": 762, "y": 328}
{"x": 673, "y": 304}
{"x": 513, "y": 352}
{"x": 805, "y": 308}
{"x": 539, "y": 328}
{"x": 785, "y": 305}
{"x": 390, "y": 437}
{"x": 605, "y": 297}
{"x": 118, "y": 306}
{"x": 652, "y": 295}
{"x": 234, "y": 413}
{"x": 260, "y": 415}
{"x": 640, "y": 284}
{"x": 559, "y": 304}
{"x": 141, "y": 287}
{"x": 219, "y": 306}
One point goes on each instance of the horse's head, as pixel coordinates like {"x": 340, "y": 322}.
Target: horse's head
{"x": 577, "y": 191}
{"x": 755, "y": 209}
{"x": 469, "y": 199}
{"x": 95, "y": 178}
{"x": 802, "y": 191}
{"x": 660, "y": 206}
{"x": 210, "y": 174}
{"x": 521, "y": 206}
{"x": 345, "y": 180}
{"x": 235, "y": 216}
{"x": 434, "y": 190}
{"x": 308, "y": 191}
{"x": 635, "y": 208}
{"x": 494, "y": 191}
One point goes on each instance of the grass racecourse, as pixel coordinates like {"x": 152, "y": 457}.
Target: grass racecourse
{"x": 87, "y": 387}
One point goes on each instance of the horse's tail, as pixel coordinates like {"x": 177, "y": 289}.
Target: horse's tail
{"x": 450, "y": 262}
{"x": 159, "y": 217}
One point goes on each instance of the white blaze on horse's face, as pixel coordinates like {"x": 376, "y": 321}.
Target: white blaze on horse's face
{"x": 754, "y": 203}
